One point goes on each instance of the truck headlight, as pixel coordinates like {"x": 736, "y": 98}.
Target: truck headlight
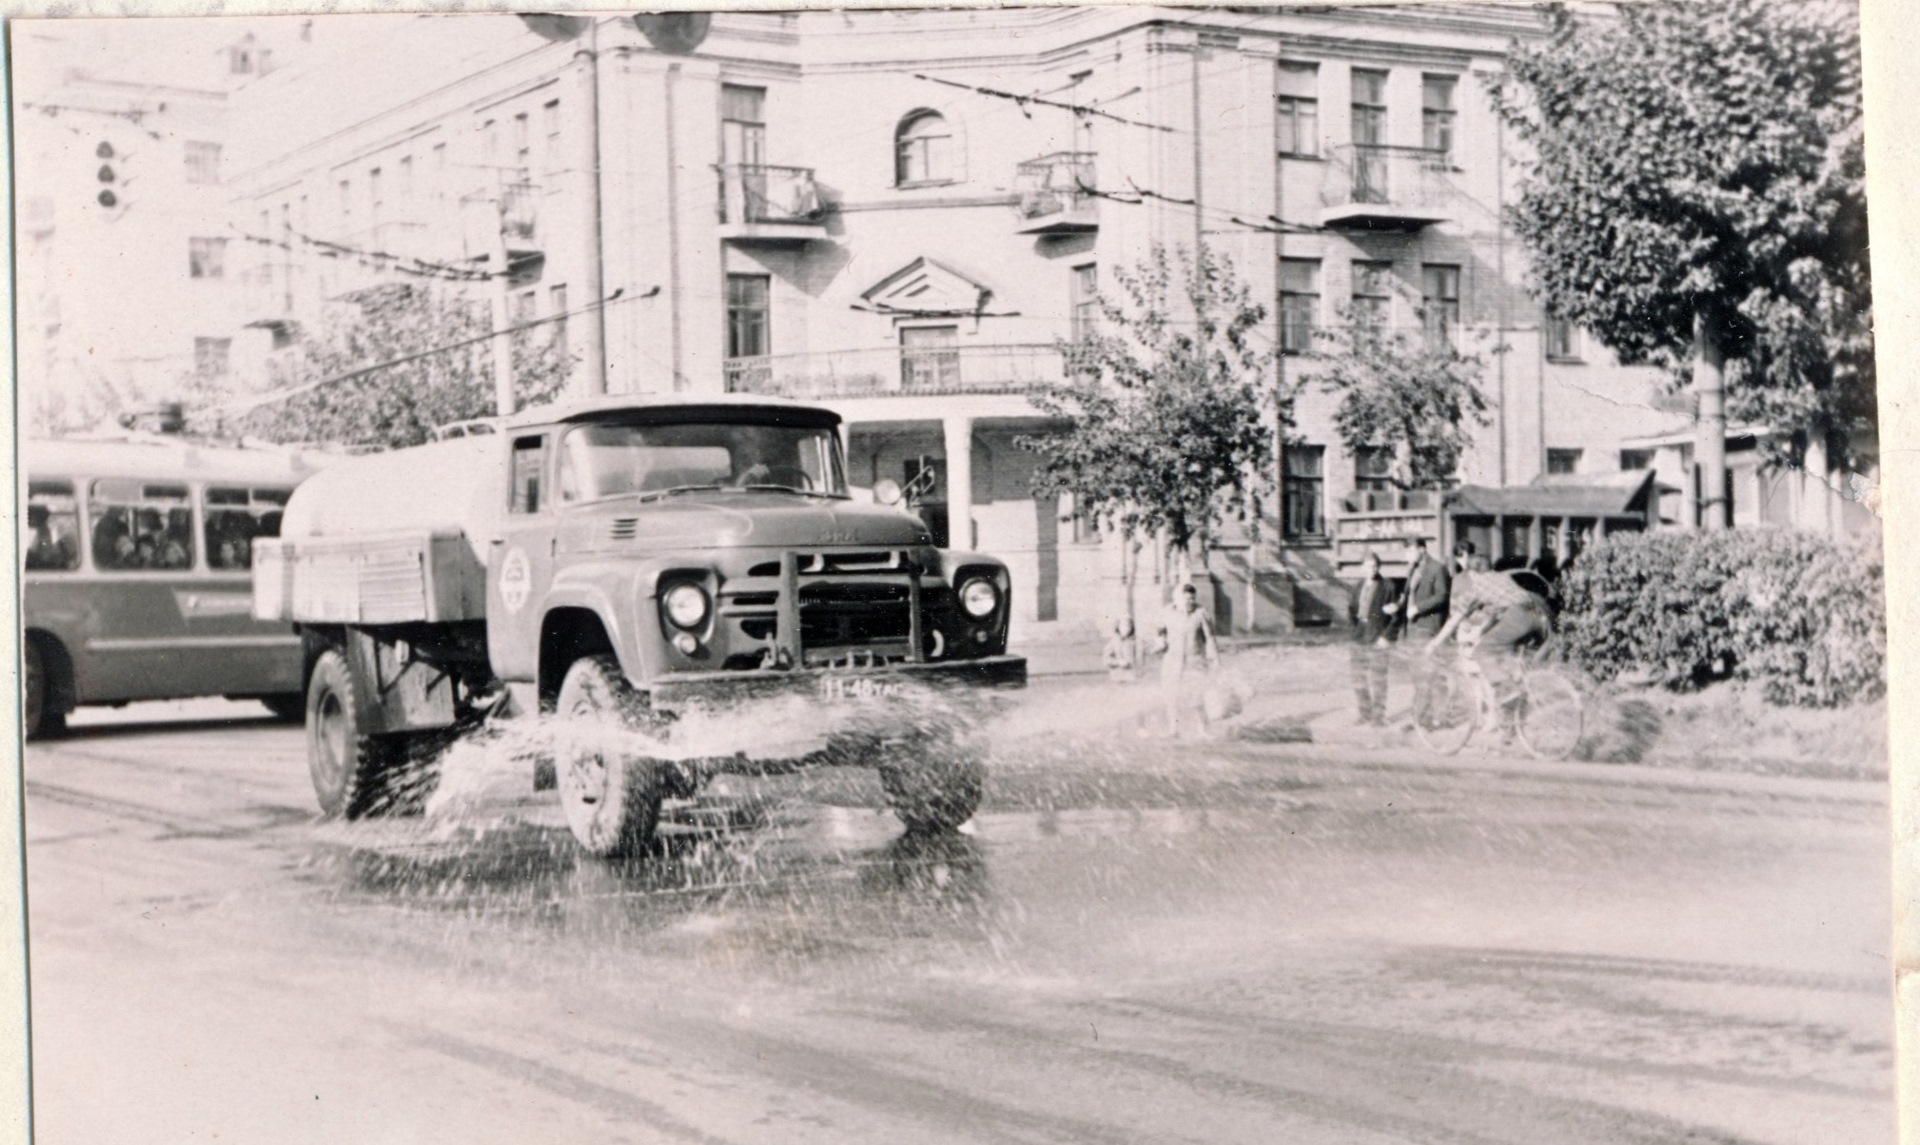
{"x": 979, "y": 598}
{"x": 685, "y": 605}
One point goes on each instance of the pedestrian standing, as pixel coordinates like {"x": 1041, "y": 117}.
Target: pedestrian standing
{"x": 1122, "y": 653}
{"x": 1422, "y": 610}
{"x": 1185, "y": 637}
{"x": 1370, "y": 611}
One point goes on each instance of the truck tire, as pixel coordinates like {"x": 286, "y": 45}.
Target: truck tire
{"x": 934, "y": 789}
{"x": 611, "y": 796}
{"x": 349, "y": 767}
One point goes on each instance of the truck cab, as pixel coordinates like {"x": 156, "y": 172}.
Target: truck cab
{"x": 627, "y": 560}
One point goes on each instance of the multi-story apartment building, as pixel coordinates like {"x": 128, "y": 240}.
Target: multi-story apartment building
{"x": 903, "y": 214}
{"x": 125, "y": 260}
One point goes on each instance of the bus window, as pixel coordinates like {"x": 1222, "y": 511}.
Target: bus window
{"x": 52, "y": 539}
{"x": 140, "y": 525}
{"x": 236, "y": 517}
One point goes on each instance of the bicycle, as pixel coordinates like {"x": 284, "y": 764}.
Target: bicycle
{"x": 1547, "y": 714}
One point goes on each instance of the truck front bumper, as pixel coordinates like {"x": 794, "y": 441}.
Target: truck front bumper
{"x": 836, "y": 685}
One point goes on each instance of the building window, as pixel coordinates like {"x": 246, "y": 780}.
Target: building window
{"x": 210, "y": 356}
{"x": 207, "y": 258}
{"x": 1084, "y": 315}
{"x": 376, "y": 194}
{"x": 1298, "y": 129}
{"x": 743, "y": 125}
{"x": 346, "y": 199}
{"x": 1440, "y": 303}
{"x": 929, "y": 358}
{"x": 1369, "y": 107}
{"x": 522, "y": 308}
{"x": 1373, "y": 469}
{"x": 406, "y": 179}
{"x": 1563, "y": 460}
{"x": 550, "y": 127}
{"x": 1372, "y": 298}
{"x": 438, "y": 173}
{"x": 748, "y": 328}
{"x": 1563, "y": 340}
{"x": 557, "y": 303}
{"x": 923, "y": 150}
{"x": 522, "y": 147}
{"x": 203, "y": 162}
{"x": 1299, "y": 303}
{"x": 1636, "y": 459}
{"x": 1302, "y": 484}
{"x": 1436, "y": 115}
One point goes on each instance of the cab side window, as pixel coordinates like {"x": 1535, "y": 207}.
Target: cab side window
{"x": 141, "y": 525}
{"x": 52, "y": 537}
{"x": 236, "y": 516}
{"x": 529, "y": 454}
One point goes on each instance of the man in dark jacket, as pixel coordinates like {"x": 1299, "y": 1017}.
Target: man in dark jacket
{"x": 1370, "y": 610}
{"x": 1422, "y": 608}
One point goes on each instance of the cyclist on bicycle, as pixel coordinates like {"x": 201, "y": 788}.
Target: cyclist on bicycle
{"x": 1494, "y": 617}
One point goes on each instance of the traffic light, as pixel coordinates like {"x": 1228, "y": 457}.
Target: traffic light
{"x": 108, "y": 197}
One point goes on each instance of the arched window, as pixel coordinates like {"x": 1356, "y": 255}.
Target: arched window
{"x": 923, "y": 150}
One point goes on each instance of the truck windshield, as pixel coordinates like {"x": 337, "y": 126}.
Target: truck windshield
{"x": 615, "y": 460}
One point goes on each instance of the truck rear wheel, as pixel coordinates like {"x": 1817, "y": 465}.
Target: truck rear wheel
{"x": 349, "y": 767}
{"x": 934, "y": 788}
{"x": 611, "y": 796}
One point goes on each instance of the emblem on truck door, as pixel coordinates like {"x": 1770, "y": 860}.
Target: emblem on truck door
{"x": 516, "y": 580}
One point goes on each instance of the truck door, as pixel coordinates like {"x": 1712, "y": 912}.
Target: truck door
{"x": 520, "y": 563}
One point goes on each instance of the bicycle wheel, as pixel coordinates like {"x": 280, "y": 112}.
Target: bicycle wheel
{"x": 1552, "y": 714}
{"x": 1447, "y": 720}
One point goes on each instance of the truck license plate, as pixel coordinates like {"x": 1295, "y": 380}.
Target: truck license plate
{"x": 836, "y": 689}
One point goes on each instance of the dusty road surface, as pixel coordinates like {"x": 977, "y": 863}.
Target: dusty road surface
{"x": 1134, "y": 942}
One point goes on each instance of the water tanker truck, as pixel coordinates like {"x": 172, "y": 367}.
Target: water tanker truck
{"x": 633, "y": 564}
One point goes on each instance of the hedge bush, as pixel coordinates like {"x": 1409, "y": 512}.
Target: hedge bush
{"x": 1802, "y": 616}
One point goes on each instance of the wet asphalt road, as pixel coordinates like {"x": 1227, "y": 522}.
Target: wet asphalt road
{"x": 1134, "y": 942}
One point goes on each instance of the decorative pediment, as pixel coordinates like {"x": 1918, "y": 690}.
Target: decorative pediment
{"x": 924, "y": 286}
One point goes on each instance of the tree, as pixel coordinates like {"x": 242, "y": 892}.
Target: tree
{"x": 1168, "y": 408}
{"x": 399, "y": 405}
{"x": 1697, "y": 201}
{"x": 1418, "y": 397}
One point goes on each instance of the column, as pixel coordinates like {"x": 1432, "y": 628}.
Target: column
{"x": 959, "y": 445}
{"x": 1816, "y": 487}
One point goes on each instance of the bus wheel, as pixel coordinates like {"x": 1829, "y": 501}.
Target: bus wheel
{"x": 348, "y": 766}
{"x": 36, "y": 695}
{"x": 937, "y": 789}
{"x": 610, "y": 794}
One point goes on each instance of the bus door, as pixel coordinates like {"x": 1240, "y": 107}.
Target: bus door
{"x": 251, "y": 657}
{"x": 137, "y": 644}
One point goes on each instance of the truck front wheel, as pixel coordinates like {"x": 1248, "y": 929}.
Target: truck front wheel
{"x": 349, "y": 767}
{"x": 936, "y": 788}
{"x": 611, "y": 795}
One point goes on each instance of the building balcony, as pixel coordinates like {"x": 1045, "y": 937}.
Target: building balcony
{"x": 1056, "y": 194}
{"x": 508, "y": 211}
{"x": 761, "y": 204}
{"x": 892, "y": 372}
{"x": 1375, "y": 187}
{"x": 271, "y": 293}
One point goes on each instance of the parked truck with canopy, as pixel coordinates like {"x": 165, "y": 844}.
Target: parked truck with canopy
{"x": 631, "y": 563}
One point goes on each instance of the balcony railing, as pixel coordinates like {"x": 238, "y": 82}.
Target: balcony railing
{"x": 1378, "y": 187}
{"x": 1056, "y": 193}
{"x": 889, "y": 372}
{"x": 757, "y": 196}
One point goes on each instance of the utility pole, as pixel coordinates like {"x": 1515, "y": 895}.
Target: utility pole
{"x": 502, "y": 341}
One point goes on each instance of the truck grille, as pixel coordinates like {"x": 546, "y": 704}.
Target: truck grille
{"x": 848, "y": 602}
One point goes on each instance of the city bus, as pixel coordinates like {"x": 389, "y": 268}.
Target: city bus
{"x": 136, "y": 558}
